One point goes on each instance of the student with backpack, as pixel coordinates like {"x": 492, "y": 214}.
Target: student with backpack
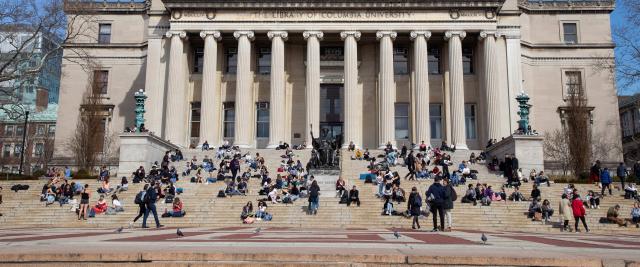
{"x": 139, "y": 200}
{"x": 451, "y": 196}
{"x": 150, "y": 198}
{"x": 436, "y": 196}
{"x": 414, "y": 204}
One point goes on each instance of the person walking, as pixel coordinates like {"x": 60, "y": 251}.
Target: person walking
{"x": 565, "y": 212}
{"x": 577, "y": 207}
{"x": 414, "y": 204}
{"x": 314, "y": 197}
{"x": 622, "y": 173}
{"x": 141, "y": 205}
{"x": 151, "y": 196}
{"x": 436, "y": 196}
{"x": 450, "y": 197}
{"x": 594, "y": 175}
{"x": 605, "y": 179}
{"x": 410, "y": 161}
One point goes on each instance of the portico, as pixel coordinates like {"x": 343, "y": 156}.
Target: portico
{"x": 258, "y": 78}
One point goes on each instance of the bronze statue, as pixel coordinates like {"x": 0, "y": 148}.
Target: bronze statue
{"x": 326, "y": 151}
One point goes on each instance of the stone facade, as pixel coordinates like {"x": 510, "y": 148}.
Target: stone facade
{"x": 258, "y": 73}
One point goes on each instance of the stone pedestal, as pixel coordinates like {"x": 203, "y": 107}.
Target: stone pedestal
{"x": 141, "y": 149}
{"x": 327, "y": 181}
{"x": 527, "y": 148}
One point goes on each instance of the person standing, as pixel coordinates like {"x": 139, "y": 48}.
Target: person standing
{"x": 436, "y": 196}
{"x": 314, "y": 197}
{"x": 622, "y": 174}
{"x": 414, "y": 204}
{"x": 450, "y": 197}
{"x": 577, "y": 207}
{"x": 235, "y": 167}
{"x": 594, "y": 175}
{"x": 565, "y": 212}
{"x": 605, "y": 179}
{"x": 411, "y": 165}
{"x": 151, "y": 196}
{"x": 636, "y": 171}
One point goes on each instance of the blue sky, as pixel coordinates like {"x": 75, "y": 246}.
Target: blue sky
{"x": 619, "y": 19}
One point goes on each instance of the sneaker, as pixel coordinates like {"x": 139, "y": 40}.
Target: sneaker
{"x": 434, "y": 230}
{"x": 160, "y": 226}
{"x": 130, "y": 225}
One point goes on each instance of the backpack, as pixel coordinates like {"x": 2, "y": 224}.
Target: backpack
{"x": 168, "y": 199}
{"x": 287, "y": 200}
{"x": 344, "y": 199}
{"x": 417, "y": 201}
{"x": 221, "y": 193}
{"x": 267, "y": 217}
{"x": 454, "y": 195}
{"x": 139, "y": 198}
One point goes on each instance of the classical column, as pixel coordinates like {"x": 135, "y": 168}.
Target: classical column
{"x": 154, "y": 86}
{"x": 352, "y": 92}
{"x": 244, "y": 93}
{"x": 312, "y": 93}
{"x": 456, "y": 80}
{"x": 277, "y": 104}
{"x": 491, "y": 86}
{"x": 386, "y": 90}
{"x": 514, "y": 76}
{"x": 210, "y": 106}
{"x": 174, "y": 130}
{"x": 421, "y": 88}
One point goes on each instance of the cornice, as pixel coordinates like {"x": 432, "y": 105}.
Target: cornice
{"x": 111, "y": 45}
{"x": 567, "y": 46}
{"x": 80, "y": 7}
{"x": 333, "y": 4}
{"x": 547, "y": 6}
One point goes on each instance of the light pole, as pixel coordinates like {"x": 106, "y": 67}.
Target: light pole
{"x": 24, "y": 139}
{"x": 140, "y": 97}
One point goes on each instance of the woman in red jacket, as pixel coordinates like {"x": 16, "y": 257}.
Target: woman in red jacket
{"x": 578, "y": 212}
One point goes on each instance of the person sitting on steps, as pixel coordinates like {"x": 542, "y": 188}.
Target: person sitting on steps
{"x": 354, "y": 196}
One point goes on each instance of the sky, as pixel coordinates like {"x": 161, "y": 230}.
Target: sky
{"x": 618, "y": 19}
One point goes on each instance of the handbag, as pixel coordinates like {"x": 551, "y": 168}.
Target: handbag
{"x": 537, "y": 216}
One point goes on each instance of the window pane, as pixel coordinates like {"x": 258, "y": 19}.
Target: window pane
{"x": 264, "y": 60}
{"x": 434, "y": 60}
{"x": 198, "y": 60}
{"x": 195, "y": 119}
{"x": 467, "y": 60}
{"x": 570, "y": 33}
{"x": 262, "y": 116}
{"x": 104, "y": 34}
{"x": 402, "y": 120}
{"x": 401, "y": 60}
{"x": 470, "y": 120}
{"x": 229, "y": 118}
{"x": 232, "y": 60}
{"x": 574, "y": 82}
{"x": 435, "y": 120}
{"x": 334, "y": 53}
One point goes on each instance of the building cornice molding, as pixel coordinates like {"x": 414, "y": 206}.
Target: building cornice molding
{"x": 567, "y": 46}
{"x": 333, "y": 4}
{"x": 111, "y": 45}
{"x": 539, "y": 6}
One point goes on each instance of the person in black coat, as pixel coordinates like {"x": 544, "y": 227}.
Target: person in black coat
{"x": 450, "y": 197}
{"x": 414, "y": 204}
{"x": 436, "y": 196}
{"x": 354, "y": 196}
{"x": 411, "y": 166}
{"x": 151, "y": 196}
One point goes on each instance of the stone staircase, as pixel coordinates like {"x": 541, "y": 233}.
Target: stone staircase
{"x": 204, "y": 209}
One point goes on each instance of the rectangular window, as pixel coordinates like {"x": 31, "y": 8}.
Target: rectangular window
{"x": 264, "y": 60}
{"x": 19, "y": 130}
{"x": 470, "y": 120}
{"x": 198, "y": 59}
{"x": 402, "y": 121}
{"x": 434, "y": 60}
{"x": 40, "y": 130}
{"x": 39, "y": 149}
{"x": 231, "y": 58}
{"x": 17, "y": 150}
{"x": 8, "y": 130}
{"x": 262, "y": 119}
{"x": 435, "y": 121}
{"x": 195, "y": 119}
{"x": 100, "y": 81}
{"x": 229, "y": 119}
{"x": 573, "y": 83}
{"x": 332, "y": 53}
{"x": 6, "y": 151}
{"x": 636, "y": 120}
{"x": 467, "y": 60}
{"x": 400, "y": 60}
{"x": 570, "y": 32}
{"x": 627, "y": 128}
{"x": 52, "y": 129}
{"x": 104, "y": 33}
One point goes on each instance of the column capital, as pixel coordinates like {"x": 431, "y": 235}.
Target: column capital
{"x": 250, "y": 35}
{"x": 181, "y": 34}
{"x": 355, "y": 34}
{"x": 485, "y": 34}
{"x": 415, "y": 34}
{"x": 449, "y": 34}
{"x": 317, "y": 34}
{"x": 391, "y": 34}
{"x": 216, "y": 35}
{"x": 282, "y": 34}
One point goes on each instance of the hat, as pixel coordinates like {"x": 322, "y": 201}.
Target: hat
{"x": 438, "y": 179}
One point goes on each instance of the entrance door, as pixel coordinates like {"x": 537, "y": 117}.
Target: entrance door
{"x": 331, "y": 110}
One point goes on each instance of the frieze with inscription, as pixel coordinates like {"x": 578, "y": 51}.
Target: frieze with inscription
{"x": 331, "y": 15}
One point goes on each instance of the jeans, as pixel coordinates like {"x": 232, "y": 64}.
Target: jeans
{"x": 313, "y": 203}
{"x": 449, "y": 217}
{"x": 151, "y": 207}
{"x": 380, "y": 188}
{"x": 606, "y": 186}
{"x": 293, "y": 197}
{"x": 584, "y": 223}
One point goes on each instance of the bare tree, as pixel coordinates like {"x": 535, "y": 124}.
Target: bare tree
{"x": 556, "y": 148}
{"x": 32, "y": 35}
{"x": 87, "y": 142}
{"x": 577, "y": 127}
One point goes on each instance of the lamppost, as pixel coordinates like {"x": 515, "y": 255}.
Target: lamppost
{"x": 140, "y": 97}
{"x": 523, "y": 103}
{"x": 24, "y": 139}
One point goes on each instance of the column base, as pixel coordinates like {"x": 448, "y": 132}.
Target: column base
{"x": 272, "y": 146}
{"x": 462, "y": 147}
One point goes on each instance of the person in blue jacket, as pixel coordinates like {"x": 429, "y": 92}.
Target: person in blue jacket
{"x": 605, "y": 179}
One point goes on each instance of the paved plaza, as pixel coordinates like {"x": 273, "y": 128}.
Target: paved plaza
{"x": 295, "y": 246}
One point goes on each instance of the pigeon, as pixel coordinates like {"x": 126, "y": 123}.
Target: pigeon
{"x": 119, "y": 230}
{"x": 179, "y": 233}
{"x": 396, "y": 234}
{"x": 257, "y": 230}
{"x": 484, "y": 239}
